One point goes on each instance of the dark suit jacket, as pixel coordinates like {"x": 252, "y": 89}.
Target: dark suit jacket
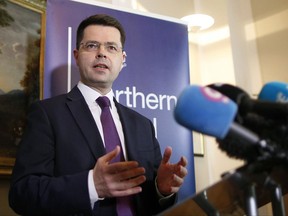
{"x": 61, "y": 144}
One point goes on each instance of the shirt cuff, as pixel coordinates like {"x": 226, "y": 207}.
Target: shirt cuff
{"x": 93, "y": 195}
{"x": 162, "y": 199}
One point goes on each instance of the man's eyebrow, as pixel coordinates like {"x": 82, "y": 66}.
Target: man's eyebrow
{"x": 111, "y": 43}
{"x": 92, "y": 41}
{"x": 108, "y": 42}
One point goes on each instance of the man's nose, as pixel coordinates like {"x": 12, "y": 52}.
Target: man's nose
{"x": 100, "y": 55}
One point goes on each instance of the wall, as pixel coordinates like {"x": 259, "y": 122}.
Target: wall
{"x": 272, "y": 39}
{"x": 211, "y": 61}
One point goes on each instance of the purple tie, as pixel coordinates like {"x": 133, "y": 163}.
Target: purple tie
{"x": 111, "y": 139}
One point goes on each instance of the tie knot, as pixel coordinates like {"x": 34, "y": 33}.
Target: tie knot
{"x": 103, "y": 101}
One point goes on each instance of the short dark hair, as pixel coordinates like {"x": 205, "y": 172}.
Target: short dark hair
{"x": 100, "y": 19}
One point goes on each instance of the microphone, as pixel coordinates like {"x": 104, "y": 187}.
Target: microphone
{"x": 207, "y": 111}
{"x": 274, "y": 91}
{"x": 275, "y": 130}
{"x": 193, "y": 110}
{"x": 266, "y": 118}
{"x": 247, "y": 105}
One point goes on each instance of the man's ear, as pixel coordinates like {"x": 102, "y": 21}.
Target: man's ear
{"x": 76, "y": 54}
{"x": 124, "y": 60}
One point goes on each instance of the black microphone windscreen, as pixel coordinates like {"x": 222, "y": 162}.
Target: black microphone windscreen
{"x": 233, "y": 92}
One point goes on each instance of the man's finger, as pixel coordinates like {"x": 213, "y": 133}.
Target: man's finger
{"x": 183, "y": 161}
{"x": 127, "y": 192}
{"x": 122, "y": 166}
{"x": 167, "y": 154}
{"x": 111, "y": 155}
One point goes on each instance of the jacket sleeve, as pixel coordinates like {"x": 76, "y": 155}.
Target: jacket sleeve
{"x": 35, "y": 189}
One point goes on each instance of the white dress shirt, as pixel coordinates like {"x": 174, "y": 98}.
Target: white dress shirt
{"x": 90, "y": 95}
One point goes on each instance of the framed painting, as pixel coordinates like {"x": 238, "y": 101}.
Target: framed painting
{"x": 22, "y": 27}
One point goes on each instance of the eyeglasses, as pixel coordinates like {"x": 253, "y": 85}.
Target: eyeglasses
{"x": 92, "y": 46}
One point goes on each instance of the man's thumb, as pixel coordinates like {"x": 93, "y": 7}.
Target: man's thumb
{"x": 112, "y": 154}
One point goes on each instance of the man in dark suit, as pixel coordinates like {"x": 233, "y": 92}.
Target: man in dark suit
{"x": 62, "y": 167}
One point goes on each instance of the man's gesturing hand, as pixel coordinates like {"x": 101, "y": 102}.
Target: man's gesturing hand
{"x": 170, "y": 176}
{"x": 117, "y": 179}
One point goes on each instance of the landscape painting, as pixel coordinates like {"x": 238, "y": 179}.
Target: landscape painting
{"x": 20, "y": 73}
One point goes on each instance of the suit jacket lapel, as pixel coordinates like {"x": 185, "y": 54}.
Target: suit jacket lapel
{"x": 85, "y": 121}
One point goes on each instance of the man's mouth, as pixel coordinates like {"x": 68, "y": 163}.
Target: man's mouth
{"x": 101, "y": 66}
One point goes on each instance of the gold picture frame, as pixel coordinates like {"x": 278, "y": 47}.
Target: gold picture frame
{"x": 198, "y": 144}
{"x": 22, "y": 30}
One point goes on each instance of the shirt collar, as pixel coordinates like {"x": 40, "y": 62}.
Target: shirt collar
{"x": 90, "y": 94}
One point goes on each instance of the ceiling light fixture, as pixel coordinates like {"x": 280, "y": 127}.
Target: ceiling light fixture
{"x": 198, "y": 22}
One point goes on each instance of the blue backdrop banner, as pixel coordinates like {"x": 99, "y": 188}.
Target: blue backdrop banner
{"x": 157, "y": 69}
